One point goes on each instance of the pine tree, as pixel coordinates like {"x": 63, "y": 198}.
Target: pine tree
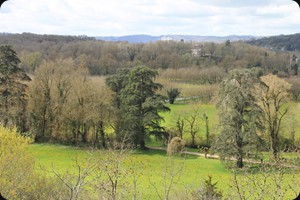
{"x": 138, "y": 104}
{"x": 12, "y": 89}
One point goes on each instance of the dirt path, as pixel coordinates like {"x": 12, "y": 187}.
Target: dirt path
{"x": 212, "y": 156}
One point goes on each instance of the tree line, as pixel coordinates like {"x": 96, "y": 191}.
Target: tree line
{"x": 63, "y": 103}
{"x": 103, "y": 58}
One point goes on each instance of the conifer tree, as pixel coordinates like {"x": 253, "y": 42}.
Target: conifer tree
{"x": 12, "y": 89}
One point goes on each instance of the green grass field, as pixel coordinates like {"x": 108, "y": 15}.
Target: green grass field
{"x": 152, "y": 164}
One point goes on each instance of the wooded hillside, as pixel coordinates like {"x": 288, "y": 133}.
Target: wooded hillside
{"x": 281, "y": 42}
{"x": 102, "y": 58}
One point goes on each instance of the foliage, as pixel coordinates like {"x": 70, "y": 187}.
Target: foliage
{"x": 286, "y": 42}
{"x": 238, "y": 114}
{"x": 208, "y": 191}
{"x": 15, "y": 164}
{"x": 175, "y": 146}
{"x": 18, "y": 179}
{"x": 295, "y": 88}
{"x": 271, "y": 98}
{"x": 66, "y": 105}
{"x": 13, "y": 89}
{"x": 173, "y": 93}
{"x": 209, "y": 65}
{"x": 138, "y": 104}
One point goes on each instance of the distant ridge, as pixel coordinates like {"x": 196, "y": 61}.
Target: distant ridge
{"x": 186, "y": 38}
{"x": 279, "y": 42}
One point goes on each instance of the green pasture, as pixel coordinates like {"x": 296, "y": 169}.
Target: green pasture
{"x": 151, "y": 166}
{"x": 151, "y": 163}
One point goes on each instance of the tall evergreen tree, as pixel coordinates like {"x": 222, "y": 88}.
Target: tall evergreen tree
{"x": 139, "y": 103}
{"x": 237, "y": 114}
{"x": 12, "y": 89}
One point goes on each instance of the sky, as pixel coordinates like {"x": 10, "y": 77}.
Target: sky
{"x": 151, "y": 17}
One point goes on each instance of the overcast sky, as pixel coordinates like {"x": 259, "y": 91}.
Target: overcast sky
{"x": 153, "y": 17}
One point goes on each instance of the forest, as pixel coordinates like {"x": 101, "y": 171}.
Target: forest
{"x": 121, "y": 100}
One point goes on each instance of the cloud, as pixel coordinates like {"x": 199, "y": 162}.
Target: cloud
{"x": 156, "y": 17}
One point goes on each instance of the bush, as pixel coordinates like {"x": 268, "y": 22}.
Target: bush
{"x": 15, "y": 164}
{"x": 18, "y": 179}
{"x": 175, "y": 146}
{"x": 173, "y": 93}
{"x": 208, "y": 191}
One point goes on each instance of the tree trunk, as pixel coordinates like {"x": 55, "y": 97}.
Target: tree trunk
{"x": 239, "y": 144}
{"x": 143, "y": 144}
{"x": 206, "y": 129}
{"x": 102, "y": 135}
{"x": 84, "y": 133}
{"x": 142, "y": 138}
{"x": 239, "y": 162}
{"x": 193, "y": 144}
{"x": 274, "y": 145}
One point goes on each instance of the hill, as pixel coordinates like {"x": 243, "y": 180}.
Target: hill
{"x": 279, "y": 43}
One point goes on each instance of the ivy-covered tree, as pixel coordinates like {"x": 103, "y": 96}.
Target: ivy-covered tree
{"x": 138, "y": 104}
{"x": 237, "y": 113}
{"x": 12, "y": 89}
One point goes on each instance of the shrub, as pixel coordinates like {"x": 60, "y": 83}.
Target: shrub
{"x": 175, "y": 146}
{"x": 173, "y": 93}
{"x": 208, "y": 191}
{"x": 18, "y": 179}
{"x": 15, "y": 164}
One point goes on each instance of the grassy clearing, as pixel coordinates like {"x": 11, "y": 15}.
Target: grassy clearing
{"x": 152, "y": 164}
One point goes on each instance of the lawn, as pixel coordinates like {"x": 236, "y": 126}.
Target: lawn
{"x": 152, "y": 164}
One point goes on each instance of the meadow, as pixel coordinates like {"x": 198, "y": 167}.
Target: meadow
{"x": 151, "y": 166}
{"x": 153, "y": 170}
